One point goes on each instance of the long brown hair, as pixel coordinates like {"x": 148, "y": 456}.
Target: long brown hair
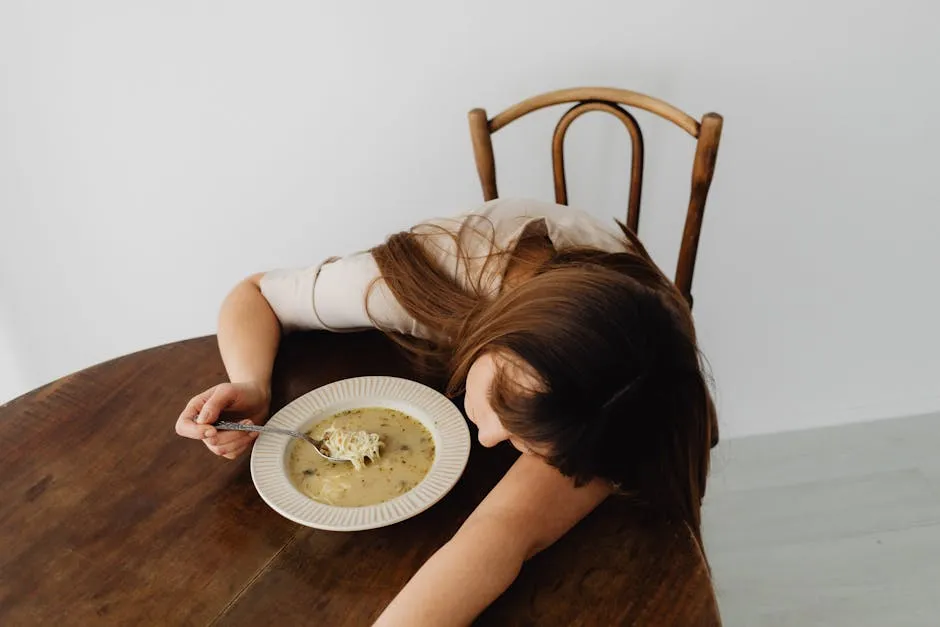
{"x": 621, "y": 391}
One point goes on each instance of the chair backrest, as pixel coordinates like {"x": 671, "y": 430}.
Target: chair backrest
{"x": 707, "y": 133}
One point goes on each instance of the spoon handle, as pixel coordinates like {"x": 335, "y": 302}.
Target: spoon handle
{"x": 237, "y": 426}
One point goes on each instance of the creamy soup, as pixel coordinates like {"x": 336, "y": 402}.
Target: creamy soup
{"x": 406, "y": 453}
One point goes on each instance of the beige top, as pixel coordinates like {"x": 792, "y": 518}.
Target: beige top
{"x": 331, "y": 295}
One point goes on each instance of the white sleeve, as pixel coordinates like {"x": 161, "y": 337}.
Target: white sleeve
{"x": 331, "y": 296}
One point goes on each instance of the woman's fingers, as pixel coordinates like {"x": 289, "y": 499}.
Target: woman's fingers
{"x": 232, "y": 449}
{"x": 224, "y": 449}
{"x": 203, "y": 410}
{"x": 223, "y": 437}
{"x": 231, "y": 444}
{"x": 221, "y": 398}
{"x": 186, "y": 425}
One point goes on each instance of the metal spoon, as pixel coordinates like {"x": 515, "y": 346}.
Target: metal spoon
{"x": 317, "y": 444}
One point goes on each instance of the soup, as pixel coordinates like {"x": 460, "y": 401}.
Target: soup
{"x": 406, "y": 453}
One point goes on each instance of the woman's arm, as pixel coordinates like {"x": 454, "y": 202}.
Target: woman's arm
{"x": 254, "y": 315}
{"x": 248, "y": 334}
{"x": 529, "y": 509}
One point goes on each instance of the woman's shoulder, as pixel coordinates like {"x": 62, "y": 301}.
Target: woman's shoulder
{"x": 508, "y": 214}
{"x": 563, "y": 224}
{"x": 513, "y": 208}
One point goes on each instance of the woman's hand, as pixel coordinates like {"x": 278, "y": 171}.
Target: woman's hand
{"x": 248, "y": 403}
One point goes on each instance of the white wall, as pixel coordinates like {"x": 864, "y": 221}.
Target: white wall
{"x": 151, "y": 154}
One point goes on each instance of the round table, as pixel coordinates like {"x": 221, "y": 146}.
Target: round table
{"x": 110, "y": 518}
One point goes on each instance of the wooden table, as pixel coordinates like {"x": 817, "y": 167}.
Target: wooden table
{"x": 109, "y": 518}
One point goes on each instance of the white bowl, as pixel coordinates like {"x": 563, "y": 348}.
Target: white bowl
{"x": 440, "y": 416}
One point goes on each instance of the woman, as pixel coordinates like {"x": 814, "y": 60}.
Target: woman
{"x": 569, "y": 343}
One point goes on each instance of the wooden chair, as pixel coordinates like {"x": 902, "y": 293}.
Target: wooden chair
{"x": 707, "y": 133}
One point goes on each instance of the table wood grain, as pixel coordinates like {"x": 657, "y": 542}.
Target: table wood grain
{"x": 109, "y": 518}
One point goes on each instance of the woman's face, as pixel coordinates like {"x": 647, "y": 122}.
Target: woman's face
{"x": 477, "y": 403}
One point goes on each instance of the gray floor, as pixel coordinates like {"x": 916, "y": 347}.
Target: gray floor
{"x": 836, "y": 526}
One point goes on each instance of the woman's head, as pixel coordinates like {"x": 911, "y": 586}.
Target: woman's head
{"x": 592, "y": 364}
